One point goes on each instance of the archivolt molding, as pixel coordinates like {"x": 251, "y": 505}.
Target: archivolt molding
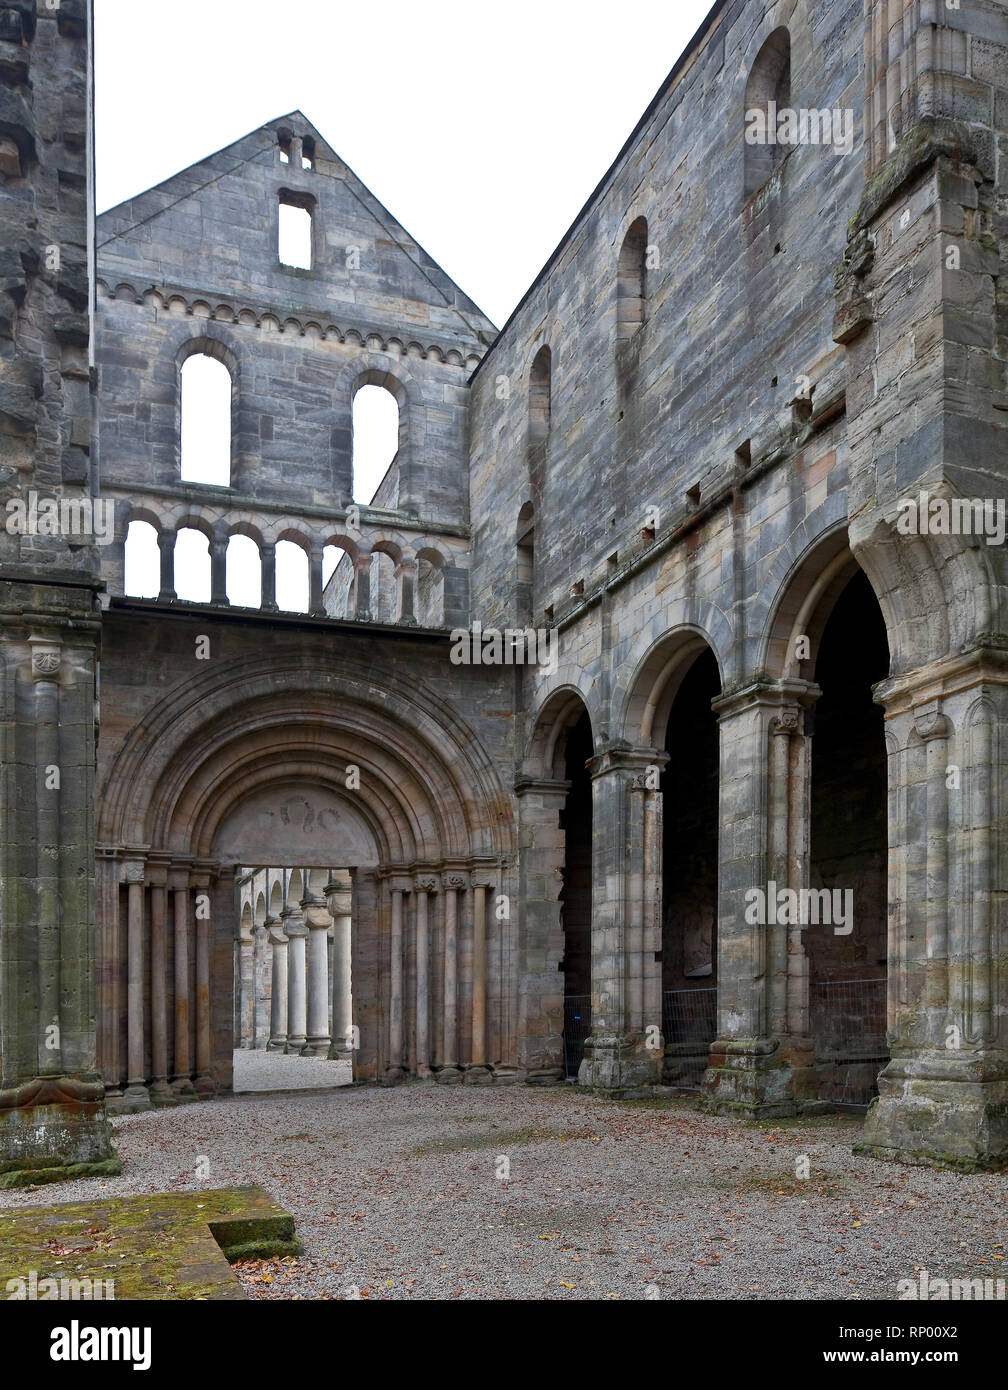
{"x": 429, "y": 785}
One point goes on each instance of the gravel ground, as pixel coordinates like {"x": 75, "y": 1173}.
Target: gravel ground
{"x": 396, "y": 1195}
{"x": 259, "y": 1070}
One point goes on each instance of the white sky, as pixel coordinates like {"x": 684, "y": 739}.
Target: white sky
{"x": 482, "y": 128}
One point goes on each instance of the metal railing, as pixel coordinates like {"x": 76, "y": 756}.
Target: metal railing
{"x": 577, "y": 1026}
{"x": 848, "y": 1024}
{"x": 689, "y": 1025}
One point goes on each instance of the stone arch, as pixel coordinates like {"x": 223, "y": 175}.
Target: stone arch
{"x": 803, "y": 586}
{"x": 379, "y": 369}
{"x": 769, "y": 81}
{"x": 219, "y": 351}
{"x": 655, "y": 682}
{"x": 556, "y": 717}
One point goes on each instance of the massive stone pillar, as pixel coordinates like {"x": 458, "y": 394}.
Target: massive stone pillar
{"x": 540, "y": 932}
{"x": 278, "y": 986}
{"x": 296, "y": 933}
{"x": 339, "y": 903}
{"x": 926, "y": 414}
{"x": 617, "y": 1054}
{"x": 316, "y": 915}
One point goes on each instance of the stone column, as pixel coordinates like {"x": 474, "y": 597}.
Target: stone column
{"x": 362, "y": 574}
{"x": 260, "y": 1026}
{"x": 158, "y": 879}
{"x": 296, "y": 933}
{"x": 218, "y": 568}
{"x": 405, "y": 581}
{"x": 540, "y": 932}
{"x": 278, "y": 986}
{"x": 424, "y": 886}
{"x": 449, "y": 1072}
{"x": 268, "y": 559}
{"x": 316, "y": 915}
{"x": 136, "y": 1096}
{"x": 166, "y": 549}
{"x": 617, "y": 1055}
{"x": 339, "y": 899}
{"x": 181, "y": 902}
{"x": 395, "y": 1072}
{"x": 204, "y": 1079}
{"x": 478, "y": 1073}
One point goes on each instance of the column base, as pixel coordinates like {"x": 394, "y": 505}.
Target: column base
{"x": 182, "y": 1087}
{"x": 134, "y": 1099}
{"x": 340, "y": 1052}
{"x": 544, "y": 1076}
{"x": 940, "y": 1111}
{"x": 294, "y": 1045}
{"x": 316, "y": 1047}
{"x": 278, "y": 1044}
{"x": 751, "y": 1078}
{"x": 160, "y": 1091}
{"x": 448, "y": 1076}
{"x": 205, "y": 1086}
{"x": 55, "y": 1128}
{"x": 619, "y": 1062}
{"x": 505, "y": 1076}
{"x": 394, "y": 1076}
{"x": 478, "y": 1075}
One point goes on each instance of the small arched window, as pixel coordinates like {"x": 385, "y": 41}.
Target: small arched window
{"x": 430, "y": 589}
{"x": 293, "y": 577}
{"x": 243, "y": 572}
{"x": 768, "y": 92}
{"x": 540, "y": 396}
{"x": 525, "y": 568}
{"x": 192, "y": 565}
{"x": 375, "y": 439}
{"x": 631, "y": 282}
{"x": 205, "y": 436}
{"x": 142, "y": 577}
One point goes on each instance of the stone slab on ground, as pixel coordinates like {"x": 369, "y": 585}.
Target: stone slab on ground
{"x": 160, "y": 1246}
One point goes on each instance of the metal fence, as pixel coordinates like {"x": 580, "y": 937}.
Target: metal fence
{"x": 848, "y": 1021}
{"x": 689, "y": 1023}
{"x": 577, "y": 1026}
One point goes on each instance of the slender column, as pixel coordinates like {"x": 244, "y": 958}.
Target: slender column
{"x": 316, "y": 606}
{"x": 159, "y": 985}
{"x": 267, "y": 557}
{"x": 218, "y": 570}
{"x": 338, "y": 898}
{"x": 933, "y": 727}
{"x": 395, "y": 1071}
{"x": 278, "y": 986}
{"x": 182, "y": 1076}
{"x": 424, "y": 886}
{"x": 45, "y": 675}
{"x": 317, "y": 1017}
{"x": 450, "y": 1073}
{"x": 259, "y": 1029}
{"x": 166, "y": 548}
{"x": 477, "y": 1071}
{"x": 136, "y": 1096}
{"x": 652, "y": 908}
{"x": 405, "y": 578}
{"x": 362, "y": 571}
{"x": 296, "y": 932}
{"x": 204, "y": 1079}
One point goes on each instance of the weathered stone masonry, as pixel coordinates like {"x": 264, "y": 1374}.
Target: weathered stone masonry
{"x": 685, "y": 451}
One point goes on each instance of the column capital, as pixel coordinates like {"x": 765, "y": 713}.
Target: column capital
{"x": 767, "y": 695}
{"x": 454, "y": 881}
{"x": 274, "y": 929}
{"x": 427, "y": 883}
{"x": 930, "y": 722}
{"x": 134, "y": 871}
{"x": 46, "y": 656}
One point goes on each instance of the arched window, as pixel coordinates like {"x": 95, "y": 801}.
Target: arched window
{"x": 375, "y": 439}
{"x": 143, "y": 561}
{"x": 339, "y": 594}
{"x": 192, "y": 565}
{"x": 205, "y": 445}
{"x": 768, "y": 92}
{"x": 243, "y": 572}
{"x": 293, "y": 578}
{"x": 540, "y": 396}
{"x": 525, "y": 570}
{"x": 430, "y": 589}
{"x": 631, "y": 282}
{"x": 296, "y": 231}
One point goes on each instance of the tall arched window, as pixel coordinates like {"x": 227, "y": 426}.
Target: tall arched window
{"x": 205, "y": 445}
{"x": 142, "y": 577}
{"x": 375, "y": 439}
{"x": 631, "y": 281}
{"x": 768, "y": 92}
{"x": 540, "y": 396}
{"x": 525, "y": 562}
{"x": 192, "y": 565}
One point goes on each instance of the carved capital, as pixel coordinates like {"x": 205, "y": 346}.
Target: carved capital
{"x": 787, "y": 724}
{"x": 930, "y": 722}
{"x": 426, "y": 883}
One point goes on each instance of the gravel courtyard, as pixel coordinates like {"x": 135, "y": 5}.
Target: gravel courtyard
{"x": 403, "y": 1194}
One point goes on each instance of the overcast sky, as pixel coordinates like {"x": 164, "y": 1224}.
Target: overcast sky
{"x": 481, "y": 127}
